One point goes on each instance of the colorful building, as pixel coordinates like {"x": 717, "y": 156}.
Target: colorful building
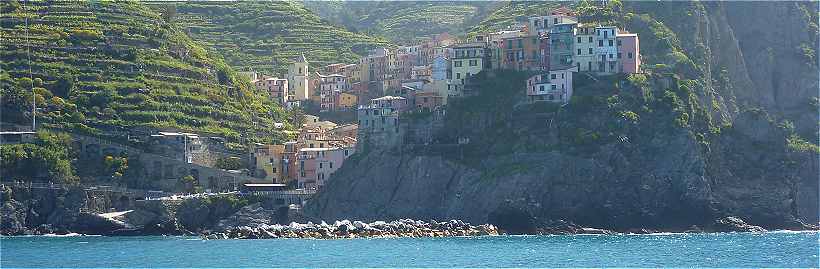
{"x": 347, "y": 100}
{"x": 269, "y": 163}
{"x": 562, "y": 46}
{"x": 585, "y": 47}
{"x": 629, "y": 52}
{"x": 277, "y": 88}
{"x": 468, "y": 60}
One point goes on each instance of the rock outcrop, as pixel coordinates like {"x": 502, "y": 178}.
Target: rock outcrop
{"x": 726, "y": 153}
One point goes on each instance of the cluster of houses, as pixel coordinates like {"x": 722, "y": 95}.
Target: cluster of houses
{"x": 308, "y": 162}
{"x": 388, "y": 82}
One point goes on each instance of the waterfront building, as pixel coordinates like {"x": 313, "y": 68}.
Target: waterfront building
{"x": 268, "y": 162}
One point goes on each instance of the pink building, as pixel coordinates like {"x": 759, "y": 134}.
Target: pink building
{"x": 330, "y": 87}
{"x": 317, "y": 165}
{"x": 276, "y": 87}
{"x": 629, "y": 52}
{"x": 555, "y": 86}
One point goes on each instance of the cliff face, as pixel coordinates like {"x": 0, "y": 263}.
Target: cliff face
{"x": 722, "y": 144}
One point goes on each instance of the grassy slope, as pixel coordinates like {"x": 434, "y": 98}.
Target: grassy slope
{"x": 265, "y": 36}
{"x": 118, "y": 64}
{"x": 403, "y": 22}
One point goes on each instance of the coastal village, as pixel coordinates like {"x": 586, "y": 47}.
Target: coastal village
{"x": 378, "y": 90}
{"x": 387, "y": 83}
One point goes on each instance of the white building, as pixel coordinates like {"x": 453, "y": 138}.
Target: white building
{"x": 555, "y": 86}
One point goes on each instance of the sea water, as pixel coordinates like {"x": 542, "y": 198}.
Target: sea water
{"x": 773, "y": 249}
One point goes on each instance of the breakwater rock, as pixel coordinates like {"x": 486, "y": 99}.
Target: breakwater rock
{"x": 355, "y": 229}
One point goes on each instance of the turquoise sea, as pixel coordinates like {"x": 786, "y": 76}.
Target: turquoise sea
{"x": 775, "y": 249}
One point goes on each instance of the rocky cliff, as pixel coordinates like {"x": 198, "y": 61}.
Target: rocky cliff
{"x": 718, "y": 127}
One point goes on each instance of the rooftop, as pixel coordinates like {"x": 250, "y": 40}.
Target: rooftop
{"x": 388, "y": 98}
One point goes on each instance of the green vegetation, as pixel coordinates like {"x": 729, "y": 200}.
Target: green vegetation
{"x": 266, "y": 35}
{"x": 511, "y": 13}
{"x": 102, "y": 66}
{"x": 116, "y": 166}
{"x": 48, "y": 158}
{"x": 404, "y": 22}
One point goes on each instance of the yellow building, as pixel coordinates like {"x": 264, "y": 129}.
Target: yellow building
{"x": 467, "y": 61}
{"x": 269, "y": 163}
{"x": 347, "y": 100}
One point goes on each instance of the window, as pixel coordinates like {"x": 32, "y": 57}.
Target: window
{"x": 509, "y": 45}
{"x": 579, "y": 51}
{"x": 629, "y": 55}
{"x": 619, "y": 42}
{"x": 320, "y": 165}
{"x": 458, "y": 75}
{"x": 520, "y": 43}
{"x": 535, "y": 40}
{"x": 613, "y": 32}
{"x": 590, "y": 39}
{"x": 311, "y": 145}
{"x": 590, "y": 51}
{"x": 457, "y": 63}
{"x": 473, "y": 62}
{"x": 619, "y": 55}
{"x": 541, "y": 88}
{"x": 554, "y": 87}
{"x": 600, "y": 43}
{"x": 579, "y": 39}
{"x": 331, "y": 165}
{"x": 347, "y": 152}
{"x": 536, "y": 23}
{"x": 610, "y": 56}
{"x": 562, "y": 75}
{"x": 553, "y": 76}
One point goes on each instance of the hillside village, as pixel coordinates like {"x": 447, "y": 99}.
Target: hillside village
{"x": 378, "y": 91}
{"x": 388, "y": 83}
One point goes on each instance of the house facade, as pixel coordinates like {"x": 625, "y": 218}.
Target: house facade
{"x": 554, "y": 86}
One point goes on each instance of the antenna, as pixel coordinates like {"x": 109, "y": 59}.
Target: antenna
{"x": 31, "y": 76}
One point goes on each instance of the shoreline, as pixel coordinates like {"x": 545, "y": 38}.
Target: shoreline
{"x": 72, "y": 235}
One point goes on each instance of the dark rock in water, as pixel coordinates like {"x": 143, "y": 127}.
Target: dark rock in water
{"x": 251, "y": 215}
{"x": 88, "y": 223}
{"x": 735, "y": 224}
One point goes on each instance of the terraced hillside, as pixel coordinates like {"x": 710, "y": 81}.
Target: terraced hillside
{"x": 403, "y": 21}
{"x": 511, "y": 12}
{"x": 102, "y": 67}
{"x": 265, "y": 36}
